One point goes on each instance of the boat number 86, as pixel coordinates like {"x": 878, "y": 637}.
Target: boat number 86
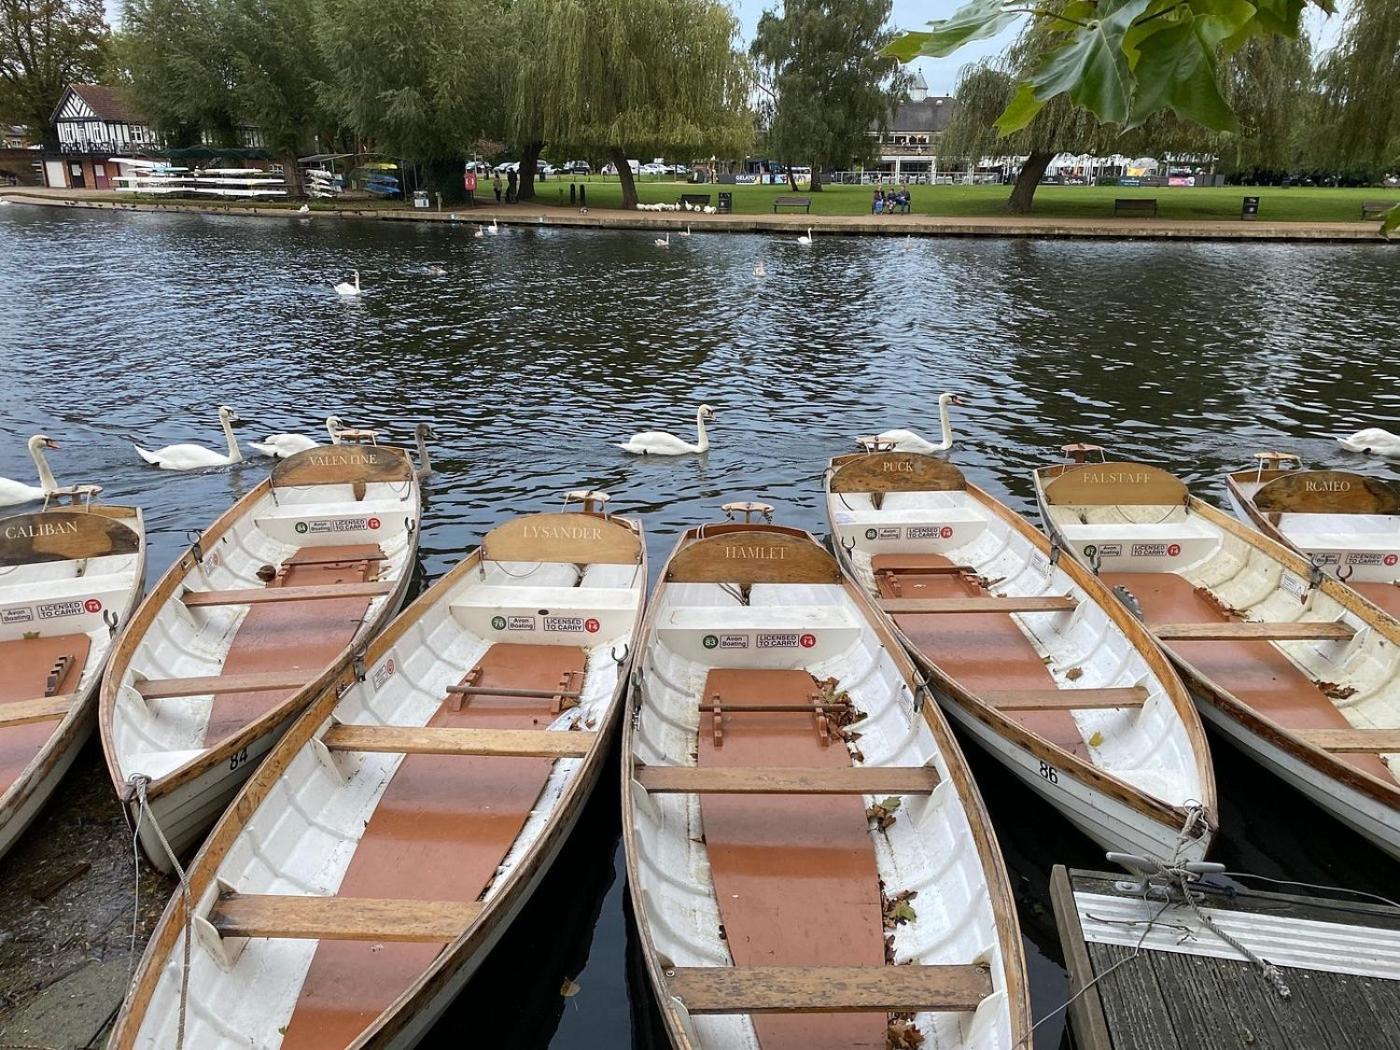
{"x": 241, "y": 757}
{"x": 1049, "y": 773}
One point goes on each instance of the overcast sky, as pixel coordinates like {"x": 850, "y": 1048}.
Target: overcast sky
{"x": 942, "y": 73}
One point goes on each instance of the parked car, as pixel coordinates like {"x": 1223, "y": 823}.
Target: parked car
{"x": 577, "y": 167}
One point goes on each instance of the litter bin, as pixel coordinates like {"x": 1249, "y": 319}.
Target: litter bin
{"x": 1250, "y": 208}
{"x": 420, "y": 199}
{"x": 726, "y": 202}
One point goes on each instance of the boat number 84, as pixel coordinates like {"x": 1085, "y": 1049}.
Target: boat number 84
{"x": 239, "y": 758}
{"x": 1049, "y": 772}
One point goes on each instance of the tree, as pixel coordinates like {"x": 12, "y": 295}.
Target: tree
{"x": 1361, "y": 87}
{"x": 830, "y": 83}
{"x": 635, "y": 78}
{"x": 418, "y": 78}
{"x": 45, "y": 45}
{"x": 179, "y": 70}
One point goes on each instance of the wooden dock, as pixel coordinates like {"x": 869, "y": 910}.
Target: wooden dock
{"x": 1178, "y": 985}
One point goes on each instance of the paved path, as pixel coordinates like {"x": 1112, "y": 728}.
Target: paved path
{"x": 828, "y": 225}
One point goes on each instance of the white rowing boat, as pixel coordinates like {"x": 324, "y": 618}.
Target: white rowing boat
{"x": 1347, "y": 524}
{"x": 1294, "y": 667}
{"x": 247, "y": 626}
{"x": 70, "y": 578}
{"x": 1030, "y": 654}
{"x": 387, "y": 842}
{"x": 810, "y": 863}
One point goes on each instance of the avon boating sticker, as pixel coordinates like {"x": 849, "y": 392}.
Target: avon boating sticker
{"x": 777, "y": 641}
{"x": 383, "y": 673}
{"x": 887, "y": 533}
{"x": 929, "y": 532}
{"x": 24, "y": 614}
{"x": 725, "y": 641}
{"x": 323, "y": 525}
{"x": 1108, "y": 550}
{"x": 569, "y": 624}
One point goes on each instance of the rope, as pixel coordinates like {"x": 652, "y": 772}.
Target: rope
{"x": 1270, "y": 971}
{"x": 139, "y": 782}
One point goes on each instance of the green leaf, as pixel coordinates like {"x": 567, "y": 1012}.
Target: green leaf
{"x": 1176, "y": 69}
{"x": 1020, "y": 111}
{"x": 890, "y": 804}
{"x": 974, "y": 21}
{"x": 1093, "y": 68}
{"x": 1390, "y": 221}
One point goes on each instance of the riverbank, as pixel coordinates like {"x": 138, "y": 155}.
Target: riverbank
{"x": 914, "y": 225}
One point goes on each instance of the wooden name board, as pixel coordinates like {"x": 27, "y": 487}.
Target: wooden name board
{"x": 1115, "y": 485}
{"x": 63, "y": 535}
{"x": 574, "y": 538}
{"x": 895, "y": 472}
{"x": 1328, "y": 492}
{"x": 342, "y": 465}
{"x": 758, "y": 555}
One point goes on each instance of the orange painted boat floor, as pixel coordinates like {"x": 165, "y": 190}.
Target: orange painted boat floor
{"x": 1257, "y": 673}
{"x": 304, "y": 635}
{"x": 794, "y": 875}
{"x": 981, "y": 651}
{"x": 1385, "y": 595}
{"x": 25, "y": 664}
{"x": 441, "y": 829}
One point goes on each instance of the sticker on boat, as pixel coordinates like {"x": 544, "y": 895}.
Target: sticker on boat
{"x": 567, "y": 624}
{"x": 733, "y": 641}
{"x": 21, "y": 615}
{"x": 1391, "y": 559}
{"x": 1294, "y": 586}
{"x": 53, "y": 610}
{"x": 777, "y": 641}
{"x": 323, "y": 525}
{"x": 383, "y": 673}
{"x": 928, "y": 532}
{"x": 807, "y": 641}
{"x": 516, "y": 623}
{"x": 1149, "y": 550}
{"x": 92, "y": 605}
{"x": 1110, "y": 550}
{"x": 1365, "y": 558}
{"x": 1173, "y": 550}
{"x": 591, "y": 625}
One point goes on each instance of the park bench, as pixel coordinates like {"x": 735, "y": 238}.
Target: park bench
{"x": 697, "y": 200}
{"x": 1375, "y": 209}
{"x": 805, "y": 203}
{"x": 1135, "y": 206}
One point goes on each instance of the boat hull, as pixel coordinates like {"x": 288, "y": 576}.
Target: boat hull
{"x": 27, "y": 796}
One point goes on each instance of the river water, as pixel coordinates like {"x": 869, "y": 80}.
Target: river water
{"x": 541, "y": 347}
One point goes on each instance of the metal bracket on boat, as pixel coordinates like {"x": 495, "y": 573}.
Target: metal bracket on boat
{"x": 1316, "y": 573}
{"x": 196, "y": 551}
{"x": 620, "y": 660}
{"x": 357, "y": 664}
{"x": 109, "y": 617}
{"x": 1344, "y": 576}
{"x": 848, "y": 546}
{"x": 748, "y": 508}
{"x": 1157, "y": 880}
{"x": 921, "y": 691}
{"x": 1054, "y": 552}
{"x": 1091, "y": 551}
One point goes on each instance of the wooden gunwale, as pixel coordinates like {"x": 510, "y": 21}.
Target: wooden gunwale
{"x": 989, "y": 852}
{"x": 167, "y": 590}
{"x": 1078, "y": 768}
{"x": 1258, "y": 519}
{"x": 1266, "y": 729}
{"x": 81, "y": 718}
{"x": 204, "y": 867}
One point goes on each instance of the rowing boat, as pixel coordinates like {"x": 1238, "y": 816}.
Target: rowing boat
{"x": 1347, "y": 524}
{"x": 1029, "y": 654}
{"x": 809, "y": 861}
{"x": 69, "y": 580}
{"x": 246, "y": 627}
{"x": 1292, "y": 666}
{"x": 389, "y": 839}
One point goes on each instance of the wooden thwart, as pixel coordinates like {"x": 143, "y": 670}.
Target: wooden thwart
{"x": 1051, "y": 699}
{"x": 765, "y": 780}
{"x": 214, "y": 685}
{"x": 340, "y": 918}
{"x": 1241, "y": 631}
{"x": 42, "y": 709}
{"x": 264, "y": 595}
{"x": 828, "y": 989}
{"x": 1047, "y": 603}
{"x": 1353, "y": 741}
{"x": 926, "y": 570}
{"x": 533, "y": 694}
{"x": 430, "y": 740}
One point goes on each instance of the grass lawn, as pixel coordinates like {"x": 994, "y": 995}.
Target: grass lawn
{"x": 1094, "y": 202}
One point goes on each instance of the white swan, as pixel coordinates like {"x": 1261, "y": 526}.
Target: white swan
{"x": 12, "y": 492}
{"x": 758, "y": 270}
{"x": 305, "y": 209}
{"x": 280, "y": 446}
{"x": 911, "y": 441}
{"x": 193, "y": 457}
{"x": 493, "y": 229}
{"x": 807, "y": 240}
{"x": 685, "y": 232}
{"x": 436, "y": 271}
{"x": 480, "y": 231}
{"x": 660, "y": 443}
{"x": 664, "y": 242}
{"x": 422, "y": 433}
{"x": 346, "y": 288}
{"x": 1373, "y": 441}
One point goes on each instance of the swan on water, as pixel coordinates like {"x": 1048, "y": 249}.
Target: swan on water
{"x": 493, "y": 229}
{"x": 280, "y": 446}
{"x": 660, "y": 443}
{"x": 1373, "y": 441}
{"x": 193, "y": 457}
{"x": 12, "y": 492}
{"x": 807, "y": 239}
{"x": 911, "y": 441}
{"x": 685, "y": 232}
{"x": 480, "y": 231}
{"x": 758, "y": 270}
{"x": 346, "y": 288}
{"x": 663, "y": 242}
{"x": 423, "y": 433}
{"x": 305, "y": 209}
{"x": 436, "y": 271}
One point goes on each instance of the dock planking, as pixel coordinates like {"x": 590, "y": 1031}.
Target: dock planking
{"x": 1175, "y": 1000}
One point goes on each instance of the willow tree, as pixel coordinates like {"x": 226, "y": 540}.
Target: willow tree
{"x": 45, "y": 45}
{"x": 1361, "y": 87}
{"x": 178, "y": 69}
{"x": 638, "y": 78}
{"x": 828, "y": 84}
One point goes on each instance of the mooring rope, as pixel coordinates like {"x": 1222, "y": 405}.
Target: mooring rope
{"x": 138, "y": 782}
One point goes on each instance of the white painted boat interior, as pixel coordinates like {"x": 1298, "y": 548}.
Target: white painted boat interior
{"x": 155, "y": 737}
{"x": 929, "y": 849}
{"x": 1149, "y": 747}
{"x": 304, "y": 834}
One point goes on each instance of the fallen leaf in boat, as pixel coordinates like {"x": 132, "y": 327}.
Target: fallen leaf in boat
{"x": 1335, "y": 691}
{"x": 897, "y": 909}
{"x": 569, "y": 989}
{"x": 1074, "y": 674}
{"x": 903, "y": 1035}
{"x": 1096, "y": 739}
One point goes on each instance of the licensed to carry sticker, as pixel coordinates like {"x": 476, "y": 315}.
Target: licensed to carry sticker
{"x": 568, "y": 624}
{"x": 53, "y": 610}
{"x": 777, "y": 641}
{"x": 1149, "y": 550}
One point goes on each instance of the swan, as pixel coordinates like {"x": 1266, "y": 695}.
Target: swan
{"x": 807, "y": 240}
{"x": 305, "y": 209}
{"x": 280, "y": 446}
{"x": 910, "y": 441}
{"x": 493, "y": 229}
{"x": 664, "y": 242}
{"x": 346, "y": 288}
{"x": 12, "y": 492}
{"x": 436, "y": 271}
{"x": 1373, "y": 441}
{"x": 422, "y": 433}
{"x": 193, "y": 457}
{"x": 758, "y": 270}
{"x": 660, "y": 443}
{"x": 685, "y": 232}
{"x": 480, "y": 231}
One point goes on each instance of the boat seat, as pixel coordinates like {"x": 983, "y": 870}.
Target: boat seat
{"x": 1354, "y": 741}
{"x": 743, "y": 635}
{"x": 339, "y": 918}
{"x": 909, "y": 988}
{"x": 788, "y": 780}
{"x": 547, "y": 615}
{"x": 910, "y": 529}
{"x": 41, "y": 709}
{"x": 274, "y": 595}
{"x": 1129, "y": 547}
{"x": 437, "y": 740}
{"x": 321, "y": 524}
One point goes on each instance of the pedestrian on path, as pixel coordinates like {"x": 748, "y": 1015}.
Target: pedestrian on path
{"x": 496, "y": 185}
{"x": 510, "y": 188}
